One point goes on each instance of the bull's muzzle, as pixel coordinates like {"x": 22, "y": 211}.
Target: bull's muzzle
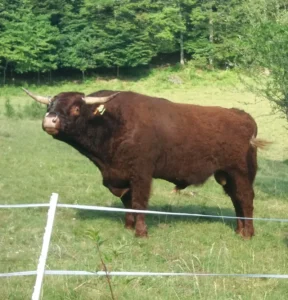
{"x": 51, "y": 123}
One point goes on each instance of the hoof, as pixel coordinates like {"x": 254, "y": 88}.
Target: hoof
{"x": 175, "y": 191}
{"x": 129, "y": 227}
{"x": 142, "y": 236}
{"x": 245, "y": 234}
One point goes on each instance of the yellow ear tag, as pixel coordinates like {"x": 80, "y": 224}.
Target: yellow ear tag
{"x": 101, "y": 109}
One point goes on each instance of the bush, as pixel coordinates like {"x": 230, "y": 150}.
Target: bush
{"x": 33, "y": 110}
{"x": 9, "y": 109}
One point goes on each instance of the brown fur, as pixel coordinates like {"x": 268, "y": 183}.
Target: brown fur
{"x": 139, "y": 138}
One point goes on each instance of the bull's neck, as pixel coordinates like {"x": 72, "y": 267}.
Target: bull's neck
{"x": 95, "y": 141}
{"x": 96, "y": 145}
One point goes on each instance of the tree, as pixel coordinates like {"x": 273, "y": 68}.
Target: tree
{"x": 29, "y": 42}
{"x": 166, "y": 26}
{"x": 80, "y": 50}
{"x": 214, "y": 29}
{"x": 39, "y": 36}
{"x": 264, "y": 52}
{"x": 7, "y": 8}
{"x": 116, "y": 32}
{"x": 80, "y": 39}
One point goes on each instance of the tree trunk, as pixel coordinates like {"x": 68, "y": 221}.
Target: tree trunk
{"x": 182, "y": 62}
{"x": 83, "y": 75}
{"x": 38, "y": 77}
{"x": 181, "y": 49}
{"x": 4, "y": 72}
{"x": 118, "y": 71}
{"x": 211, "y": 38}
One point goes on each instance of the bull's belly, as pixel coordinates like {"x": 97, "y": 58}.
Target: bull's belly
{"x": 184, "y": 181}
{"x": 188, "y": 173}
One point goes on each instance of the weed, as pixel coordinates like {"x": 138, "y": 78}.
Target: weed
{"x": 9, "y": 109}
{"x": 32, "y": 110}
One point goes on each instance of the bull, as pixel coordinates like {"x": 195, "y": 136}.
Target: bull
{"x": 133, "y": 138}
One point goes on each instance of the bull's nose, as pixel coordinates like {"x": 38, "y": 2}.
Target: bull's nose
{"x": 51, "y": 123}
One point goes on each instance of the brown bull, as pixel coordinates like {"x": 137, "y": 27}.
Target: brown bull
{"x": 133, "y": 138}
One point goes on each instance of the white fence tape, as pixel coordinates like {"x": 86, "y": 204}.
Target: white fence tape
{"x": 48, "y": 230}
{"x": 24, "y": 205}
{"x": 141, "y": 274}
{"x": 123, "y": 210}
{"x": 115, "y": 209}
{"x": 45, "y": 247}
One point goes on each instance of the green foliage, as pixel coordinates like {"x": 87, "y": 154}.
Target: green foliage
{"x": 265, "y": 51}
{"x": 215, "y": 29}
{"x": 94, "y": 235}
{"x": 28, "y": 41}
{"x": 34, "y": 110}
{"x": 80, "y": 34}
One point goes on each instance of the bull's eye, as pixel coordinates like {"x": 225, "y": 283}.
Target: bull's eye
{"x": 75, "y": 111}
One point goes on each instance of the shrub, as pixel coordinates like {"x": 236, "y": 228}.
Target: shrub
{"x": 33, "y": 110}
{"x": 9, "y": 109}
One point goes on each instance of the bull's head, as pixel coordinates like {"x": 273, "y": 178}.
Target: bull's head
{"x": 64, "y": 109}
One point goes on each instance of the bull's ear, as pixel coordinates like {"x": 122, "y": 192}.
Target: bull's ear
{"x": 75, "y": 110}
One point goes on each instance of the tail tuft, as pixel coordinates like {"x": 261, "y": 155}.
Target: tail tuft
{"x": 259, "y": 143}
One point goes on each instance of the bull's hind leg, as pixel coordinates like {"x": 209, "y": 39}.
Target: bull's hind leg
{"x": 240, "y": 190}
{"x": 176, "y": 190}
{"x": 129, "y": 217}
{"x": 179, "y": 187}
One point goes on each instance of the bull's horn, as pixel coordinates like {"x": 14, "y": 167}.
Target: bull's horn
{"x": 41, "y": 99}
{"x": 99, "y": 100}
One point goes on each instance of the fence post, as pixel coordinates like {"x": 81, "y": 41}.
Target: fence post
{"x": 45, "y": 247}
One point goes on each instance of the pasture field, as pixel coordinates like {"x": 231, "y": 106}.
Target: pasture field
{"x": 33, "y": 165}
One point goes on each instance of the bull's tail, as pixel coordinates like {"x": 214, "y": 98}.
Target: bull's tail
{"x": 259, "y": 143}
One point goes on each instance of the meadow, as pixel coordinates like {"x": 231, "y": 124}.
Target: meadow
{"x": 33, "y": 165}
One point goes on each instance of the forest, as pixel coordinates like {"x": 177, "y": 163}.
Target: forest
{"x": 56, "y": 35}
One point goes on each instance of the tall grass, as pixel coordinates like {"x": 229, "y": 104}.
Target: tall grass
{"x": 32, "y": 110}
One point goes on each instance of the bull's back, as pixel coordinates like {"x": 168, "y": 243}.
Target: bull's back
{"x": 196, "y": 141}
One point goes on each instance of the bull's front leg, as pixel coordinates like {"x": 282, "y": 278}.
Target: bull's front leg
{"x": 129, "y": 217}
{"x": 126, "y": 198}
{"x": 140, "y": 195}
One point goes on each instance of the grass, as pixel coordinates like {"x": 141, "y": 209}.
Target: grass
{"x": 33, "y": 165}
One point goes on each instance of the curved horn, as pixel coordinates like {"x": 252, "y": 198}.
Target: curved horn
{"x": 99, "y": 100}
{"x": 41, "y": 99}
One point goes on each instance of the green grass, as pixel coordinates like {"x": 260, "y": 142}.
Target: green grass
{"x": 33, "y": 165}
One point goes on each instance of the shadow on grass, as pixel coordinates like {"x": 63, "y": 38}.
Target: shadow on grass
{"x": 154, "y": 220}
